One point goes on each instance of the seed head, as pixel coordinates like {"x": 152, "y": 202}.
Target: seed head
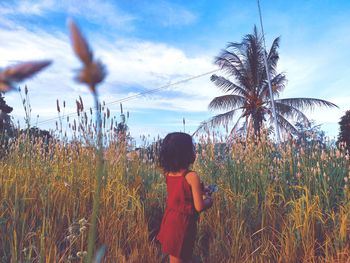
{"x": 79, "y": 44}
{"x": 58, "y": 106}
{"x": 92, "y": 74}
{"x": 81, "y": 254}
{"x": 10, "y": 75}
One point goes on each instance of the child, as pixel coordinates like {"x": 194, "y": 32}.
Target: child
{"x": 185, "y": 197}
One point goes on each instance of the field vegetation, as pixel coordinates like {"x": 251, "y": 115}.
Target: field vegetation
{"x": 276, "y": 203}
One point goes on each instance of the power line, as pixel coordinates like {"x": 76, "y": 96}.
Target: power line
{"x": 136, "y": 95}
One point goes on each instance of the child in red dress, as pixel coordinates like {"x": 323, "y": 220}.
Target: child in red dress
{"x": 185, "y": 197}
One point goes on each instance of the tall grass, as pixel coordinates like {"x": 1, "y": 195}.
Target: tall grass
{"x": 285, "y": 203}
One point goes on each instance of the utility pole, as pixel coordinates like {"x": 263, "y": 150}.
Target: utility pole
{"x": 277, "y": 132}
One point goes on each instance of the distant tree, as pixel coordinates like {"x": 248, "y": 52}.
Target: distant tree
{"x": 344, "y": 133}
{"x": 36, "y": 133}
{"x": 248, "y": 91}
{"x": 6, "y": 126}
{"x": 309, "y": 132}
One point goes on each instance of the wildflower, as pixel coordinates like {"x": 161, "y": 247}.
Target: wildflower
{"x": 83, "y": 222}
{"x": 81, "y": 254}
{"x": 345, "y": 179}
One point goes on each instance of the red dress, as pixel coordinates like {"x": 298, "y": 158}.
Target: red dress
{"x": 179, "y": 225}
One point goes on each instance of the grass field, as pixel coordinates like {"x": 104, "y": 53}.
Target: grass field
{"x": 286, "y": 203}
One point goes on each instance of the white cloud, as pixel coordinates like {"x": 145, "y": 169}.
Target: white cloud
{"x": 151, "y": 65}
{"x": 129, "y": 62}
{"x": 102, "y": 12}
{"x": 170, "y": 14}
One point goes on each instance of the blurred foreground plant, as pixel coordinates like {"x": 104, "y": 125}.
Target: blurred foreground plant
{"x": 17, "y": 73}
{"x": 91, "y": 74}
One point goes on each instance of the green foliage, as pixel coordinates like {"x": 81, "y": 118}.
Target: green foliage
{"x": 309, "y": 133}
{"x": 6, "y": 125}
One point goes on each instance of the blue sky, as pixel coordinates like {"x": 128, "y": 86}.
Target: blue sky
{"x": 148, "y": 44}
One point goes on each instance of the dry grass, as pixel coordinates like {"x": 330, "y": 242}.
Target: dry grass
{"x": 276, "y": 204}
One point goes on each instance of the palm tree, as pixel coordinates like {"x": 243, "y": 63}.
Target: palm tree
{"x": 249, "y": 94}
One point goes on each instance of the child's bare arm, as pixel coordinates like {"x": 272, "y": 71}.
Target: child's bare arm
{"x": 197, "y": 192}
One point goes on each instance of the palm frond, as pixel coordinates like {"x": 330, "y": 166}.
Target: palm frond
{"x": 226, "y": 85}
{"x": 285, "y": 124}
{"x": 254, "y": 59}
{"x": 278, "y": 84}
{"x": 226, "y": 102}
{"x": 273, "y": 56}
{"x": 232, "y": 57}
{"x": 243, "y": 130}
{"x": 232, "y": 64}
{"x": 291, "y": 112}
{"x": 217, "y": 120}
{"x": 306, "y": 103}
{"x": 279, "y": 81}
{"x": 234, "y": 128}
{"x": 235, "y": 46}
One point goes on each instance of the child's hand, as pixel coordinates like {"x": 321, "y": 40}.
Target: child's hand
{"x": 207, "y": 191}
{"x": 208, "y": 202}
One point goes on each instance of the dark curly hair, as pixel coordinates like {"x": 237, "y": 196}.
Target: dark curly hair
{"x": 177, "y": 152}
